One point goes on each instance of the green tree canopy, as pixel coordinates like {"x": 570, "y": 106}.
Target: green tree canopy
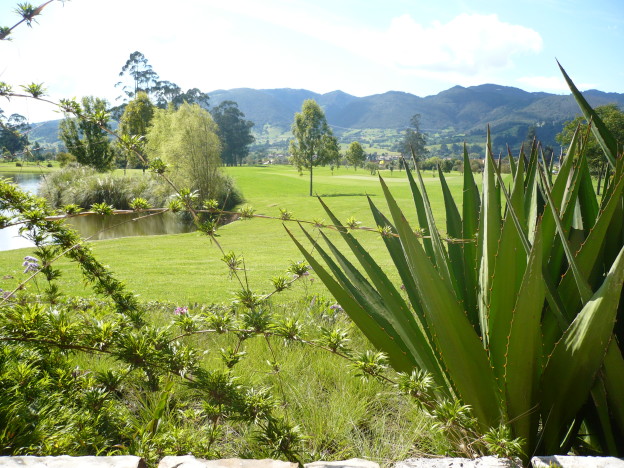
{"x": 314, "y": 142}
{"x": 414, "y": 140}
{"x": 355, "y": 155}
{"x": 85, "y": 138}
{"x": 139, "y": 76}
{"x": 234, "y": 131}
{"x": 13, "y": 137}
{"x": 139, "y": 73}
{"x": 187, "y": 140}
{"x": 134, "y": 124}
{"x": 612, "y": 117}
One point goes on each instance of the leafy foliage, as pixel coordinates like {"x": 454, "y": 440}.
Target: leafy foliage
{"x": 13, "y": 136}
{"x": 187, "y": 140}
{"x": 133, "y": 125}
{"x": 355, "y": 155}
{"x": 414, "y": 140}
{"x": 612, "y": 117}
{"x": 86, "y": 138}
{"x": 314, "y": 141}
{"x": 234, "y": 132}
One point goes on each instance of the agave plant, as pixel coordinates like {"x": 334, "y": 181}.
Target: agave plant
{"x": 513, "y": 312}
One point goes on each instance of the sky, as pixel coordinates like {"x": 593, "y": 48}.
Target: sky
{"x": 361, "y": 47}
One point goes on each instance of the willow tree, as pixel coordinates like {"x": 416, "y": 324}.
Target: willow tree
{"x": 314, "y": 142}
{"x": 187, "y": 140}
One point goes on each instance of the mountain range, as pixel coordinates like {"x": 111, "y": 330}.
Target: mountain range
{"x": 461, "y": 108}
{"x": 456, "y": 111}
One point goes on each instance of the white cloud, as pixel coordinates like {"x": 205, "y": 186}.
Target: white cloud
{"x": 554, "y": 84}
{"x": 469, "y": 44}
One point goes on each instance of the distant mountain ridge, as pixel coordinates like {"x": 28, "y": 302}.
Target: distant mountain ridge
{"x": 459, "y": 110}
{"x": 462, "y": 108}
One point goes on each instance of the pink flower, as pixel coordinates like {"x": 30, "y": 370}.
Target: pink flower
{"x": 181, "y": 311}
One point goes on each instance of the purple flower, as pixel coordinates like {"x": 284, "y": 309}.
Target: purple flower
{"x": 30, "y": 264}
{"x": 336, "y": 308}
{"x": 181, "y": 311}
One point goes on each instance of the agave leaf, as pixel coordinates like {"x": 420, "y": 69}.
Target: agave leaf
{"x": 571, "y": 369}
{"x": 365, "y": 311}
{"x": 608, "y": 188}
{"x": 421, "y": 214}
{"x": 567, "y": 208}
{"x": 509, "y": 269}
{"x": 489, "y": 233}
{"x": 587, "y": 199}
{"x": 613, "y": 375}
{"x": 524, "y": 350}
{"x": 604, "y": 137}
{"x": 393, "y": 244}
{"x": 584, "y": 289}
{"x": 460, "y": 348}
{"x": 605, "y": 434}
{"x": 388, "y": 299}
{"x": 588, "y": 258}
{"x": 551, "y": 292}
{"x": 470, "y": 225}
{"x": 454, "y": 230}
{"x": 512, "y": 162}
{"x": 440, "y": 258}
{"x": 532, "y": 206}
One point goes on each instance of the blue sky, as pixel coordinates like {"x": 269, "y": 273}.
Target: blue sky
{"x": 362, "y": 47}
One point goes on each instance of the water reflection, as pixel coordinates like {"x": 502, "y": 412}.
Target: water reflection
{"x": 9, "y": 237}
{"x": 99, "y": 227}
{"x": 96, "y": 227}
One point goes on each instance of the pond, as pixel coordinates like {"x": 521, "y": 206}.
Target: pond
{"x": 94, "y": 227}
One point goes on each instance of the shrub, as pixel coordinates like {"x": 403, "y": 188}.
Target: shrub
{"x": 65, "y": 158}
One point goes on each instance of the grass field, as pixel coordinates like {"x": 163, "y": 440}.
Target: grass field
{"x": 41, "y": 168}
{"x": 187, "y": 268}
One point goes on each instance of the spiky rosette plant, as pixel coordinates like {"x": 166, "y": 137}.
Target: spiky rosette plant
{"x": 513, "y": 313}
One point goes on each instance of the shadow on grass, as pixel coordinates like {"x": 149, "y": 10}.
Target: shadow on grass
{"x": 328, "y": 195}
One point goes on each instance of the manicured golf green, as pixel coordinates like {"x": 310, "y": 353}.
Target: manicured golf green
{"x": 187, "y": 268}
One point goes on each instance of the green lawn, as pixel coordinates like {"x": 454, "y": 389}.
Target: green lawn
{"x": 186, "y": 268}
{"x": 41, "y": 168}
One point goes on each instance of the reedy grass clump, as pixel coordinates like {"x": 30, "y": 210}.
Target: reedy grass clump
{"x": 84, "y": 186}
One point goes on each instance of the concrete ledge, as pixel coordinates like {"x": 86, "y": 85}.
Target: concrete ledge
{"x": 483, "y": 462}
{"x": 64, "y": 461}
{"x": 189, "y": 461}
{"x": 351, "y": 463}
{"x": 566, "y": 461}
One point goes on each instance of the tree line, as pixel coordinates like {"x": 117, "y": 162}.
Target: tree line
{"x": 147, "y": 101}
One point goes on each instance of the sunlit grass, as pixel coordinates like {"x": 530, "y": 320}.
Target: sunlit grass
{"x": 187, "y": 268}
